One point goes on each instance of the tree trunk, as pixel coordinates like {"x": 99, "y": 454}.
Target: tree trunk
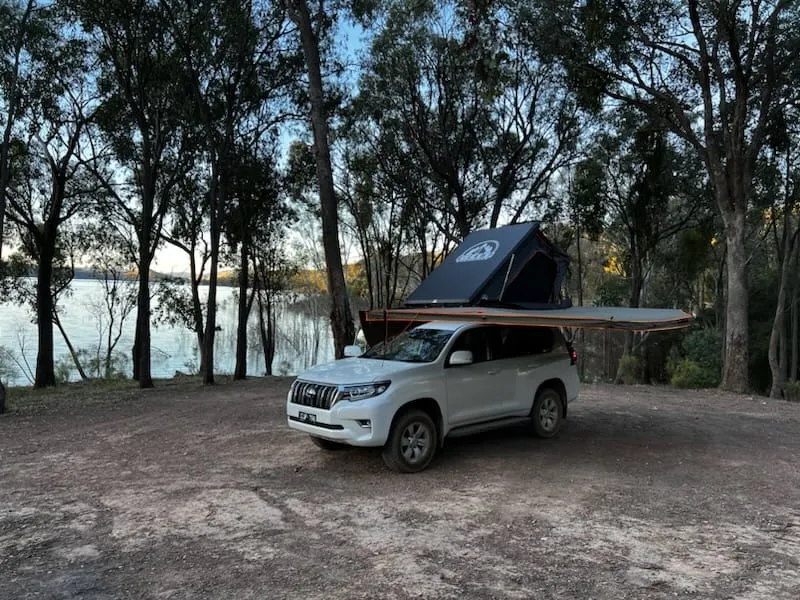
{"x": 777, "y": 337}
{"x": 634, "y": 297}
{"x": 269, "y": 356}
{"x": 72, "y": 352}
{"x": 262, "y": 329}
{"x": 795, "y": 319}
{"x": 141, "y": 344}
{"x": 197, "y": 307}
{"x": 207, "y": 353}
{"x": 45, "y": 369}
{"x": 2, "y": 398}
{"x": 737, "y": 351}
{"x": 110, "y": 334}
{"x": 341, "y": 317}
{"x": 240, "y": 372}
{"x": 579, "y": 254}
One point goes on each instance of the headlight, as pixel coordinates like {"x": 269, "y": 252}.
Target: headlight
{"x": 362, "y": 392}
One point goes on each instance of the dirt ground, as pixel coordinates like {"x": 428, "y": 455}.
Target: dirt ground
{"x": 187, "y": 492}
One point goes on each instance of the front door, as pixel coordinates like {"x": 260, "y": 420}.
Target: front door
{"x": 475, "y": 392}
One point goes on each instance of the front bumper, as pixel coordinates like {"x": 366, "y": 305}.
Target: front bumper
{"x": 344, "y": 422}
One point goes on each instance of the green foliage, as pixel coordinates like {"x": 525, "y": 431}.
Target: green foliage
{"x": 699, "y": 363}
{"x": 99, "y": 366}
{"x": 460, "y": 99}
{"x": 173, "y": 306}
{"x": 612, "y": 291}
{"x": 8, "y": 365}
{"x": 689, "y": 374}
{"x": 704, "y": 347}
{"x": 630, "y": 370}
{"x": 64, "y": 367}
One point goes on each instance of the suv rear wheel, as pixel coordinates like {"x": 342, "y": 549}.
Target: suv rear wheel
{"x": 547, "y": 412}
{"x": 412, "y": 442}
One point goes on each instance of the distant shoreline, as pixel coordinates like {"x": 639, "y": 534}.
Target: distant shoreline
{"x": 155, "y": 276}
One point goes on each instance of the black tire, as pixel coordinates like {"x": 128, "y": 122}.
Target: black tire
{"x": 412, "y": 442}
{"x": 327, "y": 444}
{"x": 547, "y": 413}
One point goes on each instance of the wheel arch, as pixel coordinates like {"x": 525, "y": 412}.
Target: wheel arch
{"x": 557, "y": 385}
{"x": 427, "y": 405}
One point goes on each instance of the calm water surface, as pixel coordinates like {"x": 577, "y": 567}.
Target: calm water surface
{"x": 302, "y": 338}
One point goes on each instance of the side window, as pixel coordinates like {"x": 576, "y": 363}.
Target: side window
{"x": 525, "y": 341}
{"x": 494, "y": 342}
{"x": 473, "y": 340}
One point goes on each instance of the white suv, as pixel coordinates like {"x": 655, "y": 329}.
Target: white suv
{"x": 438, "y": 380}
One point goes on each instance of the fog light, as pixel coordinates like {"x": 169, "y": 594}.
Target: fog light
{"x": 365, "y": 423}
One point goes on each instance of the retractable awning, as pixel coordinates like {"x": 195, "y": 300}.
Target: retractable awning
{"x": 508, "y": 276}
{"x": 628, "y": 319}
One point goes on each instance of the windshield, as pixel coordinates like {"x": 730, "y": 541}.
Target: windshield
{"x": 417, "y": 345}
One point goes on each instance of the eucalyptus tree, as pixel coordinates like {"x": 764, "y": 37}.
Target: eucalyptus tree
{"x": 473, "y": 110}
{"x": 254, "y": 216}
{"x": 381, "y": 220}
{"x": 55, "y": 186}
{"x": 145, "y": 147}
{"x": 649, "y": 186}
{"x": 777, "y": 185}
{"x": 312, "y": 29}
{"x": 186, "y": 230}
{"x": 25, "y": 34}
{"x": 714, "y": 73}
{"x": 236, "y": 68}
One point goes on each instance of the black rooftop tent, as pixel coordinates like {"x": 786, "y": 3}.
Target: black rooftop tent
{"x": 511, "y": 276}
{"x": 514, "y": 266}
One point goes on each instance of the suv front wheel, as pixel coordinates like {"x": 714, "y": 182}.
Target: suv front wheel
{"x": 547, "y": 412}
{"x": 412, "y": 442}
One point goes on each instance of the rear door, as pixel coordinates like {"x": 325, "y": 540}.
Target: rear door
{"x": 475, "y": 392}
{"x": 533, "y": 355}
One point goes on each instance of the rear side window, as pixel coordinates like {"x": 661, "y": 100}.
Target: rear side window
{"x": 525, "y": 341}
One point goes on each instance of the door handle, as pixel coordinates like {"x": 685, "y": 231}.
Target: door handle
{"x": 493, "y": 371}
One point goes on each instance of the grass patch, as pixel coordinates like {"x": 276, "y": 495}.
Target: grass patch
{"x": 26, "y": 399}
{"x": 109, "y": 392}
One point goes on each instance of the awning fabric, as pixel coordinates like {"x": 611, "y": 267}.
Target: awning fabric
{"x": 619, "y": 318}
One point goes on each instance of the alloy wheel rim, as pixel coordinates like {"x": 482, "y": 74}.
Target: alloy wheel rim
{"x": 548, "y": 413}
{"x": 415, "y": 443}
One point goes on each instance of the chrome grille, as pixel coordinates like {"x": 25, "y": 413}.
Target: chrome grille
{"x": 316, "y": 395}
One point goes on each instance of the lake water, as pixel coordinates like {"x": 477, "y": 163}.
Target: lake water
{"x": 302, "y": 339}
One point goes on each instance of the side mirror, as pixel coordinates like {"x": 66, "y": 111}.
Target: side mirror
{"x": 352, "y": 351}
{"x": 460, "y": 357}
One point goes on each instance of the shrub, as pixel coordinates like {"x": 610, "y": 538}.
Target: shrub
{"x": 792, "y": 391}
{"x": 704, "y": 347}
{"x": 699, "y": 364}
{"x": 8, "y": 367}
{"x": 629, "y": 370}
{"x": 63, "y": 369}
{"x": 689, "y": 374}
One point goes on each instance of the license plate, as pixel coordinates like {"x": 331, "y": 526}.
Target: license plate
{"x": 307, "y": 418}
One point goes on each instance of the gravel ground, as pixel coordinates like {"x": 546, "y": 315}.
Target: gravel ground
{"x": 190, "y": 492}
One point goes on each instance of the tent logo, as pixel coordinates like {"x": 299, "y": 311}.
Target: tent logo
{"x": 479, "y": 252}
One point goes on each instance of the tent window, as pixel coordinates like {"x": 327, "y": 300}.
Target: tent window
{"x": 534, "y": 283}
